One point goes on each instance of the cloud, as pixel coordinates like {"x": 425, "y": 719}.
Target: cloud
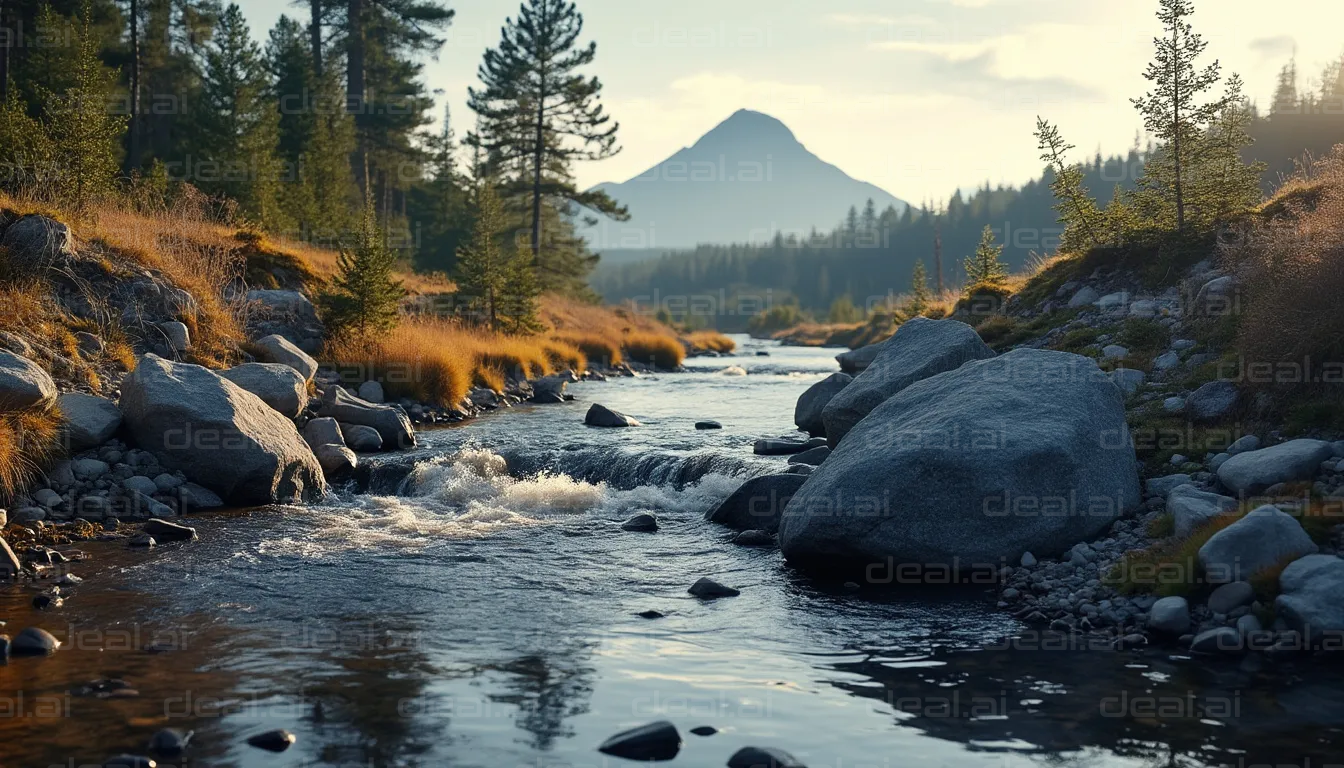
{"x": 874, "y": 20}
{"x": 1274, "y": 47}
{"x": 946, "y": 51}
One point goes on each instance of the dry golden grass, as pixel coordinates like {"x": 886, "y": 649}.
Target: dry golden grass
{"x": 595, "y": 347}
{"x": 655, "y": 349}
{"x": 710, "y": 341}
{"x": 29, "y": 440}
{"x": 1290, "y": 267}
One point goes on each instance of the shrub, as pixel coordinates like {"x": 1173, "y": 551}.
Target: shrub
{"x": 564, "y": 355}
{"x": 29, "y": 440}
{"x": 654, "y": 349}
{"x": 712, "y": 341}
{"x": 594, "y": 347}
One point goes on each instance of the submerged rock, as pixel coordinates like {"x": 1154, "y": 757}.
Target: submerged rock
{"x": 763, "y": 757}
{"x": 641, "y": 523}
{"x": 655, "y": 741}
{"x": 754, "y": 539}
{"x": 601, "y": 416}
{"x": 758, "y": 503}
{"x": 1028, "y": 451}
{"x": 164, "y": 530}
{"x": 277, "y": 740}
{"x": 920, "y": 348}
{"x": 702, "y": 425}
{"x": 33, "y": 641}
{"x": 709, "y": 589}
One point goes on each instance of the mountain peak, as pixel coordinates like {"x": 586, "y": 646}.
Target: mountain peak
{"x": 748, "y": 125}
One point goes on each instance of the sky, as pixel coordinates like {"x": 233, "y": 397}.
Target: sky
{"x": 920, "y": 97}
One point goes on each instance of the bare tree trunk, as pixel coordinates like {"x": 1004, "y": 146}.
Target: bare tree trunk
{"x": 133, "y": 155}
{"x": 315, "y": 35}
{"x": 355, "y": 91}
{"x": 537, "y": 154}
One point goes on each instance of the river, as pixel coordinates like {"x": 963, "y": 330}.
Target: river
{"x": 489, "y": 618}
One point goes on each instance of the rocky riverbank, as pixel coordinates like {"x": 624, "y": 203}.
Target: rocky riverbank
{"x": 1082, "y": 459}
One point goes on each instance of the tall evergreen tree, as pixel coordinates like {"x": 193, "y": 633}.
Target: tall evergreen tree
{"x": 366, "y": 295}
{"x": 237, "y": 123}
{"x": 539, "y": 114}
{"x": 1178, "y": 108}
{"x": 484, "y": 268}
{"x": 1286, "y": 99}
{"x": 440, "y": 206}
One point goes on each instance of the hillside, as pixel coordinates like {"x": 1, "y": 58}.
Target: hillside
{"x": 744, "y": 180}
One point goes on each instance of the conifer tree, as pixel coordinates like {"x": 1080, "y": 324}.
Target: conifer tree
{"x": 1285, "y": 91}
{"x": 985, "y": 268}
{"x": 483, "y": 268}
{"x": 1225, "y": 184}
{"x": 919, "y": 289}
{"x": 441, "y": 203}
{"x": 84, "y": 131}
{"x": 1078, "y": 212}
{"x": 1177, "y": 109}
{"x": 539, "y": 114}
{"x": 366, "y": 294}
{"x": 237, "y": 124}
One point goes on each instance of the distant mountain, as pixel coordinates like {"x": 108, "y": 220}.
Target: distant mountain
{"x": 745, "y": 180}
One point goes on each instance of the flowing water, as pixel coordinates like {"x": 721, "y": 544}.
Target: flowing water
{"x": 479, "y": 608}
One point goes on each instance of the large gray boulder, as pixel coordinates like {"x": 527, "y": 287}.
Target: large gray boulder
{"x": 89, "y": 421}
{"x": 391, "y": 422}
{"x": 807, "y": 413}
{"x": 1263, "y": 538}
{"x": 920, "y": 348}
{"x": 1028, "y": 451}
{"x": 35, "y": 243}
{"x": 1190, "y": 508}
{"x": 1311, "y": 597}
{"x": 854, "y": 361}
{"x": 278, "y": 349}
{"x": 1254, "y": 471}
{"x": 601, "y": 416}
{"x": 279, "y": 386}
{"x": 23, "y": 384}
{"x": 218, "y": 434}
{"x": 757, "y": 504}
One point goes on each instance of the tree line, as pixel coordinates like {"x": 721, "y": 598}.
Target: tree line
{"x": 138, "y": 102}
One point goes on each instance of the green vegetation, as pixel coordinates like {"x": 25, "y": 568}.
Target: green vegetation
{"x": 497, "y": 283}
{"x": 366, "y": 295}
{"x": 985, "y": 268}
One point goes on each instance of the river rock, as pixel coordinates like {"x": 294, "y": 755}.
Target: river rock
{"x": 1191, "y": 508}
{"x": 754, "y": 539}
{"x": 277, "y": 740}
{"x": 641, "y": 523}
{"x": 763, "y": 757}
{"x": 709, "y": 589}
{"x": 164, "y": 530}
{"x": 24, "y": 385}
{"x": 1028, "y": 451}
{"x": 758, "y": 503}
{"x": 654, "y": 741}
{"x": 278, "y": 349}
{"x": 372, "y": 392}
{"x": 323, "y": 431}
{"x": 33, "y": 641}
{"x": 807, "y": 413}
{"x": 391, "y": 422}
{"x": 89, "y": 469}
{"x": 1219, "y": 640}
{"x": 813, "y": 456}
{"x": 550, "y": 389}
{"x": 89, "y": 421}
{"x": 920, "y": 348}
{"x": 1311, "y": 598}
{"x": 169, "y": 741}
{"x": 35, "y": 243}
{"x": 220, "y": 435}
{"x": 1212, "y": 401}
{"x": 177, "y": 335}
{"x": 1128, "y": 380}
{"x": 142, "y": 505}
{"x": 1254, "y": 471}
{"x": 1231, "y": 596}
{"x": 336, "y": 460}
{"x": 769, "y": 446}
{"x": 195, "y": 498}
{"x": 1170, "y": 616}
{"x": 707, "y": 424}
{"x": 1261, "y": 539}
{"x": 279, "y": 386}
{"x": 361, "y": 439}
{"x": 856, "y": 360}
{"x": 601, "y": 416}
{"x": 140, "y": 484}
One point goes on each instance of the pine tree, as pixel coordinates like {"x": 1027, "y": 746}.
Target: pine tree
{"x": 1078, "y": 212}
{"x": 1225, "y": 185}
{"x": 1177, "y": 109}
{"x": 919, "y": 289}
{"x": 985, "y": 268}
{"x": 237, "y": 123}
{"x": 440, "y": 206}
{"x": 538, "y": 114}
{"x": 84, "y": 131}
{"x": 483, "y": 268}
{"x": 1286, "y": 100}
{"x": 366, "y": 294}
